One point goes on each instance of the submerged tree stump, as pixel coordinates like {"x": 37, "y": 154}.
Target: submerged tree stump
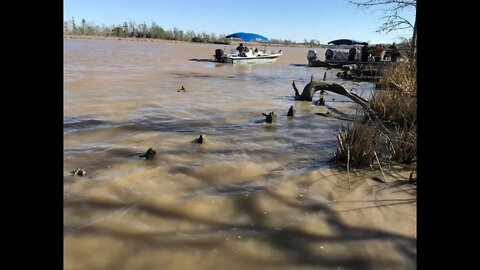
{"x": 182, "y": 89}
{"x": 271, "y": 117}
{"x": 150, "y": 154}
{"x": 202, "y": 139}
{"x": 320, "y": 101}
{"x": 291, "y": 111}
{"x": 78, "y": 172}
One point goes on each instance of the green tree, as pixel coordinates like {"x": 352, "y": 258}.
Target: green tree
{"x": 156, "y": 31}
{"x": 117, "y": 31}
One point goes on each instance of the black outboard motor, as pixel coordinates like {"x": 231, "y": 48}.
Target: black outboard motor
{"x": 311, "y": 56}
{"x": 218, "y": 55}
{"x": 329, "y": 54}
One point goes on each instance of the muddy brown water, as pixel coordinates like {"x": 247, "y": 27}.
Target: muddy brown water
{"x": 256, "y": 196}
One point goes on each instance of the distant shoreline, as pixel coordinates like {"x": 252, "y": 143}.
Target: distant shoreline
{"x": 253, "y": 43}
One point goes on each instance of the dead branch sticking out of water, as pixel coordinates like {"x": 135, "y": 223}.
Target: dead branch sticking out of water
{"x": 271, "y": 117}
{"x": 314, "y": 86}
{"x": 291, "y": 111}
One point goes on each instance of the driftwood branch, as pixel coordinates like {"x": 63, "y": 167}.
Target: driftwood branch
{"x": 296, "y": 90}
{"x": 314, "y": 86}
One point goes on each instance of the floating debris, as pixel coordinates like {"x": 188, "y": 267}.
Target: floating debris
{"x": 79, "y": 172}
{"x": 291, "y": 111}
{"x": 271, "y": 117}
{"x": 202, "y": 139}
{"x": 413, "y": 177}
{"x": 150, "y": 154}
{"x": 182, "y": 89}
{"x": 320, "y": 102}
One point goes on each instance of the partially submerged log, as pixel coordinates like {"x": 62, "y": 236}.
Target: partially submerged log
{"x": 314, "y": 86}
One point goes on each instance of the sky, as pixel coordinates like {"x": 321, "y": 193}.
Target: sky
{"x": 297, "y": 20}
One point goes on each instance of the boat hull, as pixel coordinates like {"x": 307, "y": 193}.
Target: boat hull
{"x": 251, "y": 60}
{"x": 333, "y": 64}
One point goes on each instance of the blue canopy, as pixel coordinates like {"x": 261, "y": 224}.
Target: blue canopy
{"x": 346, "y": 42}
{"x": 247, "y": 36}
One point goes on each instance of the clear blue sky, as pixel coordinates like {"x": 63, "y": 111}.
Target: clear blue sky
{"x": 296, "y": 20}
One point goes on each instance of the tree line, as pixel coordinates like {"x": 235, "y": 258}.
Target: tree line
{"x": 154, "y": 31}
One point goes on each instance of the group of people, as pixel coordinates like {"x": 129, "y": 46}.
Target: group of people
{"x": 377, "y": 51}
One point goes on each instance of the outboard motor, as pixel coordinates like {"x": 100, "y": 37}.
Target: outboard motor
{"x": 329, "y": 54}
{"x": 311, "y": 55}
{"x": 218, "y": 55}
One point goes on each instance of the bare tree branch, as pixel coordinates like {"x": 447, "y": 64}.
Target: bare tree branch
{"x": 394, "y": 22}
{"x": 395, "y": 3}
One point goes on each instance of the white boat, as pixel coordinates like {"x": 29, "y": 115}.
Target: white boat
{"x": 250, "y": 55}
{"x": 338, "y": 57}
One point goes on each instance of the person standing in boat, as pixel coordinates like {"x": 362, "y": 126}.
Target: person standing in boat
{"x": 242, "y": 49}
{"x": 365, "y": 52}
{"x": 394, "y": 53}
{"x": 378, "y": 52}
{"x": 351, "y": 54}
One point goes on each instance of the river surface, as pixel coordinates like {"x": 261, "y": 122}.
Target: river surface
{"x": 255, "y": 196}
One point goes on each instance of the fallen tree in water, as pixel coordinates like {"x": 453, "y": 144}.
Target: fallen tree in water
{"x": 314, "y": 86}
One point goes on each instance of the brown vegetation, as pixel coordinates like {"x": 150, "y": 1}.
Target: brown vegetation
{"x": 357, "y": 144}
{"x": 403, "y": 147}
{"x": 394, "y": 103}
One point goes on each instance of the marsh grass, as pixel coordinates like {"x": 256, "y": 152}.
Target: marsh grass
{"x": 357, "y": 144}
{"x": 395, "y": 103}
{"x": 403, "y": 147}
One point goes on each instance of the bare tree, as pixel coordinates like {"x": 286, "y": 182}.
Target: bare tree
{"x": 83, "y": 26}
{"x": 393, "y": 21}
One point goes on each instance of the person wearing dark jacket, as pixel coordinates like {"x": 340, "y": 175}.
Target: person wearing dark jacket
{"x": 365, "y": 52}
{"x": 351, "y": 54}
{"x": 394, "y": 53}
{"x": 241, "y": 50}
